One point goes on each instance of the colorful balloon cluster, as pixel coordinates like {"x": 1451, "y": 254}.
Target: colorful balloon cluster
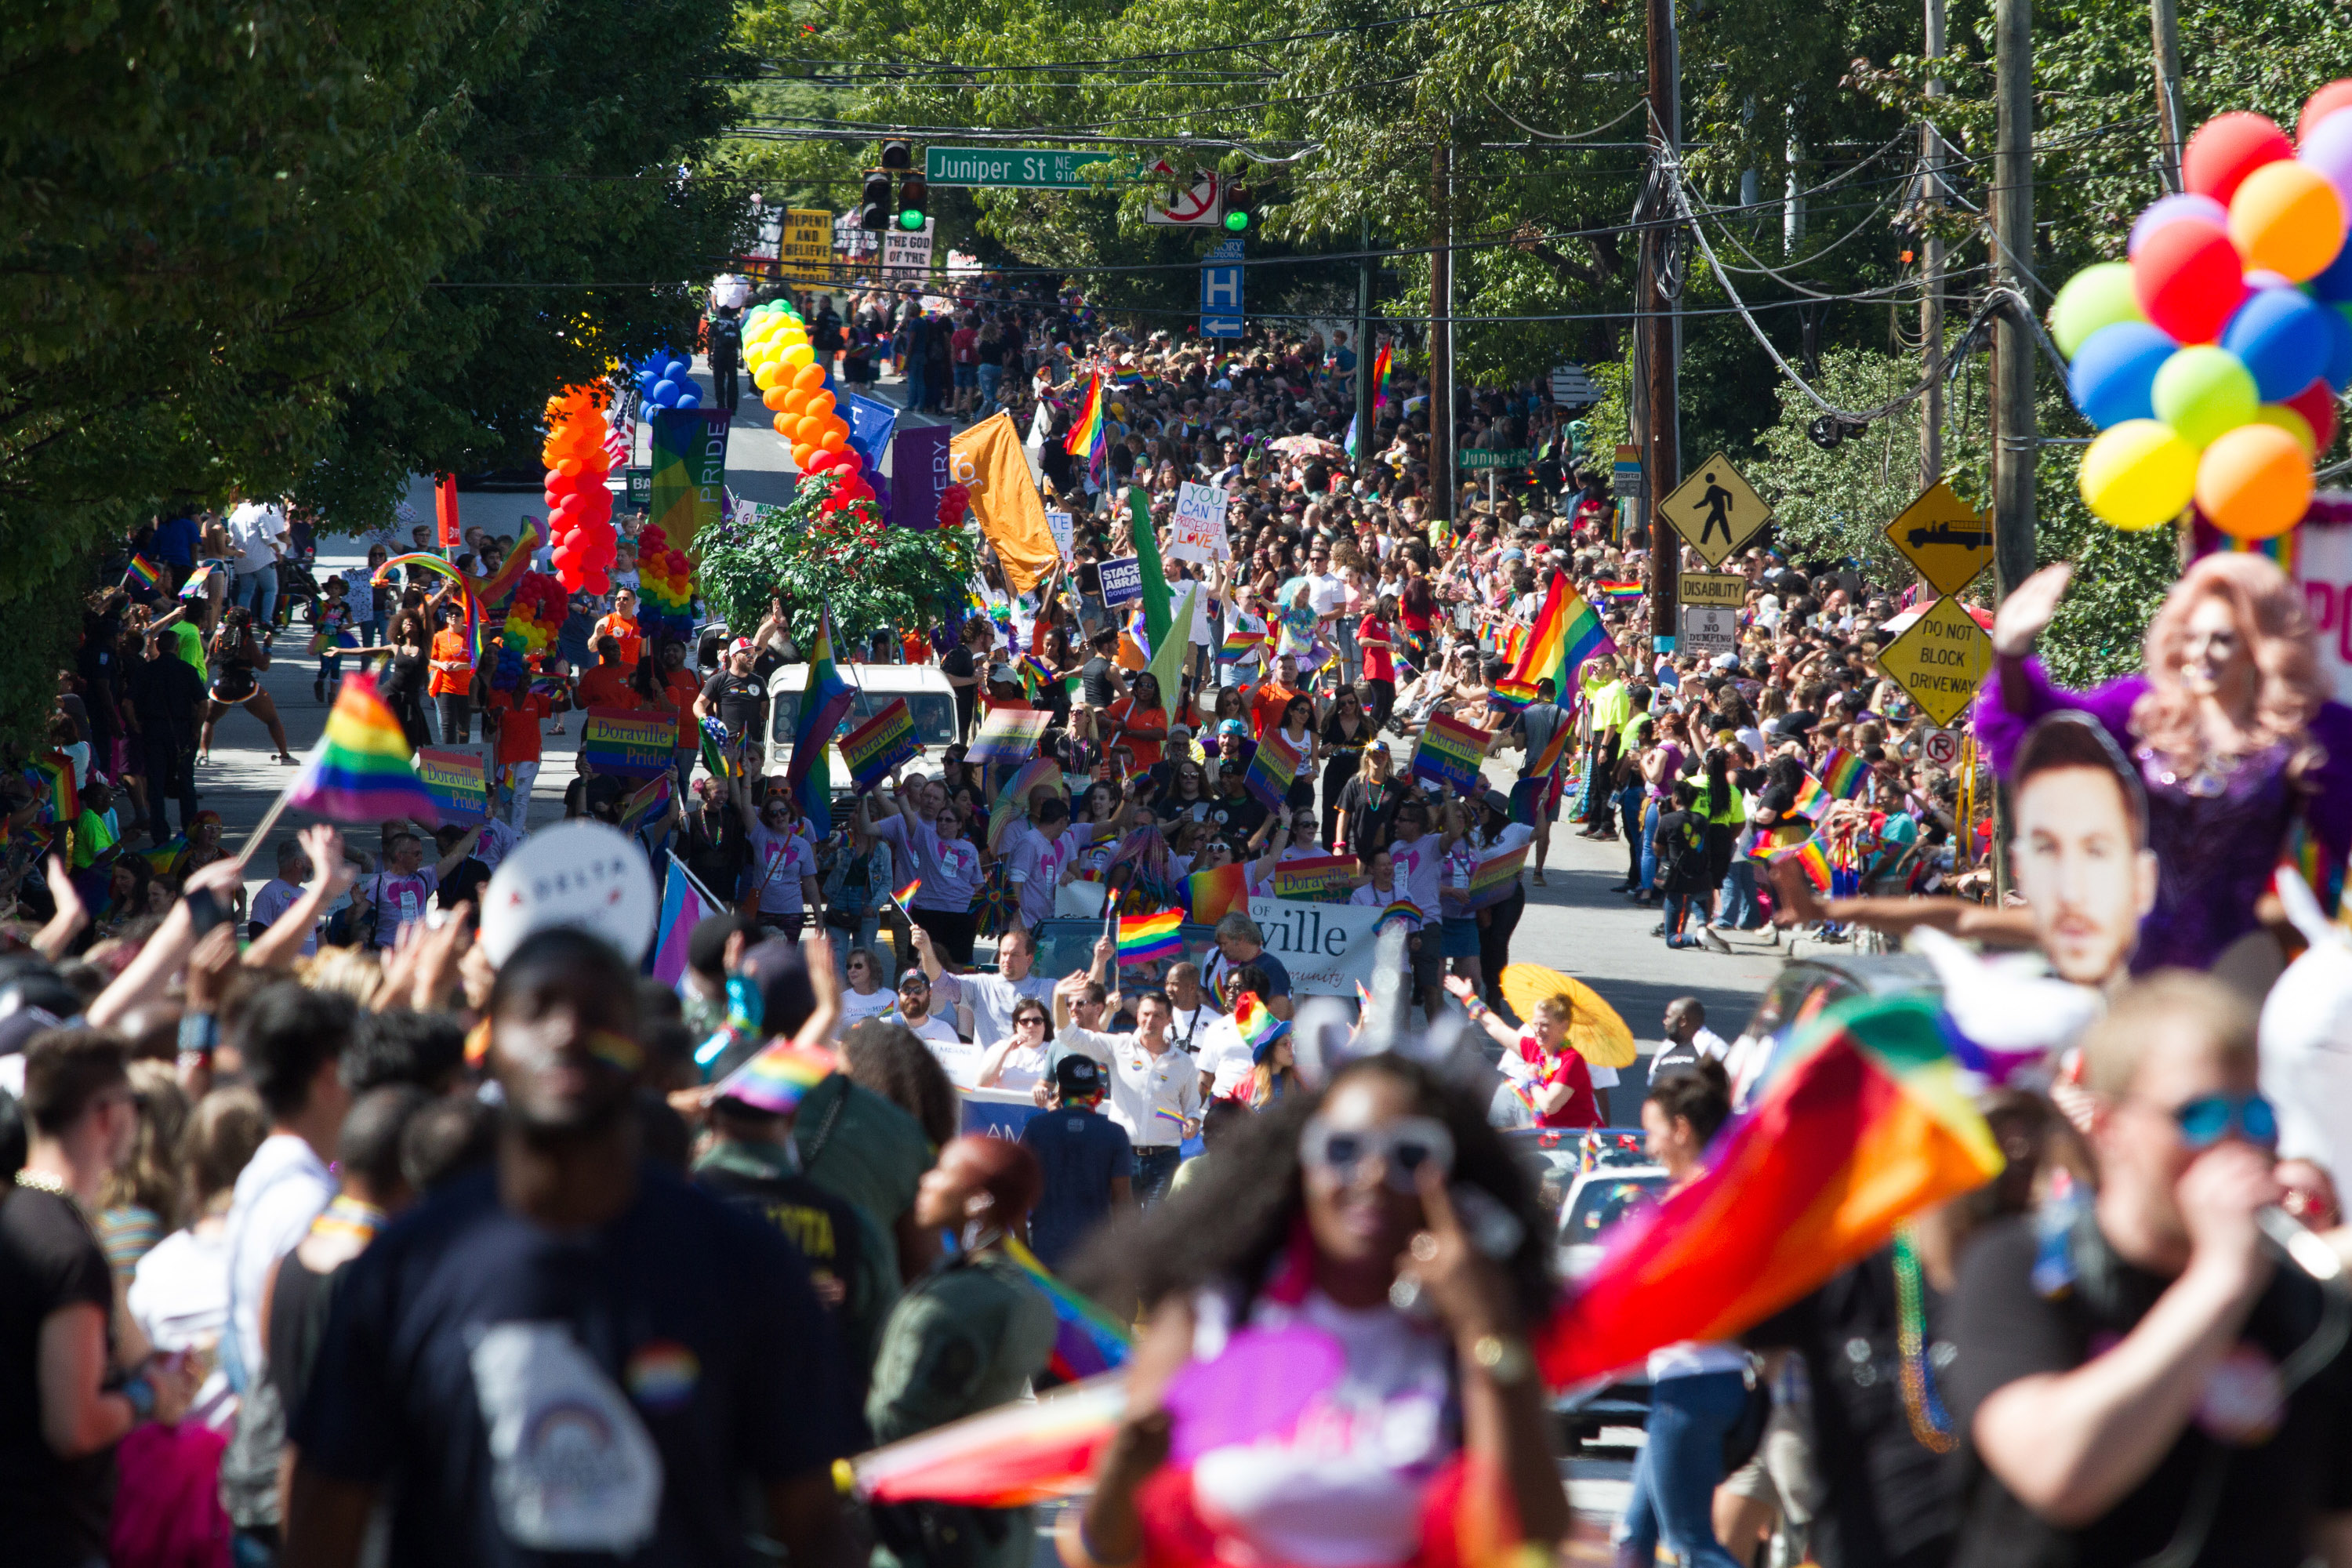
{"x": 2212, "y": 358}
{"x": 793, "y": 384}
{"x": 665, "y": 588}
{"x": 666, "y": 380}
{"x": 579, "y": 507}
{"x": 533, "y": 619}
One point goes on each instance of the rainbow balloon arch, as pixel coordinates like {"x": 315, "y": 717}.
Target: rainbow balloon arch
{"x": 2211, "y": 359}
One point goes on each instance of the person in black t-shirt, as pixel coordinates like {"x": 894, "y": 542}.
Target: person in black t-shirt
{"x": 2141, "y": 1380}
{"x": 1087, "y": 1158}
{"x": 575, "y": 1352}
{"x": 1680, "y": 838}
{"x": 59, "y": 1422}
{"x": 963, "y": 665}
{"x": 1099, "y": 674}
{"x": 465, "y": 884}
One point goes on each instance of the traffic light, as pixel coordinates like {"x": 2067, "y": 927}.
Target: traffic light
{"x": 1241, "y": 209}
{"x": 898, "y": 156}
{"x": 914, "y": 198}
{"x": 874, "y": 209}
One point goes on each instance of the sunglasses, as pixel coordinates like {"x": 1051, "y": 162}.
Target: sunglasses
{"x": 1028, "y": 1020}
{"x": 2209, "y": 1118}
{"x": 1402, "y": 1146}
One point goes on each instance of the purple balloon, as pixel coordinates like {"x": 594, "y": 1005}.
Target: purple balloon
{"x": 2328, "y": 150}
{"x": 2170, "y": 209}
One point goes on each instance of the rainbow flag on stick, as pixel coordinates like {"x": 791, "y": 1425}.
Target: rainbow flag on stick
{"x": 1811, "y": 798}
{"x": 1618, "y": 593}
{"x": 778, "y": 1079}
{"x": 1256, "y": 1025}
{"x": 1088, "y": 438}
{"x": 1565, "y": 632}
{"x": 1210, "y": 895}
{"x": 1866, "y": 1126}
{"x": 1007, "y": 1457}
{"x": 55, "y": 772}
{"x": 362, "y": 769}
{"x": 1087, "y": 1341}
{"x": 1811, "y": 859}
{"x": 194, "y": 589}
{"x": 1380, "y": 379}
{"x": 824, "y": 705}
{"x": 144, "y": 572}
{"x": 1151, "y": 939}
{"x": 1844, "y": 773}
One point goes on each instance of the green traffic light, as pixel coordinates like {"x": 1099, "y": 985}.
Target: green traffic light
{"x": 1236, "y": 222}
{"x": 911, "y": 221}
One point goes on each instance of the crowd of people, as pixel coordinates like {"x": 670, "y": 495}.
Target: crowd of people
{"x": 333, "y": 1241}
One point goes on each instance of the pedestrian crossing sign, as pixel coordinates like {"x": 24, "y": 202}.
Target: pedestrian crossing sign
{"x": 1716, "y": 509}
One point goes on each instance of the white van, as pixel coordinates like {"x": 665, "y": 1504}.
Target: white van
{"x": 931, "y": 702}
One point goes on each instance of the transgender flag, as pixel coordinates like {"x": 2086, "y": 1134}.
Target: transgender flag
{"x": 685, "y": 903}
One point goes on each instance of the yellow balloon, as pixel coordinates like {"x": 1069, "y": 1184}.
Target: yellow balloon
{"x": 766, "y": 377}
{"x": 2292, "y": 423}
{"x": 798, "y": 354}
{"x": 2138, "y": 474}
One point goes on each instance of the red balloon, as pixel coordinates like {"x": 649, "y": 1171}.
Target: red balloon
{"x": 2226, "y": 148}
{"x": 848, "y": 460}
{"x": 2188, "y": 280}
{"x": 2316, "y": 404}
{"x": 2336, "y": 95}
{"x": 597, "y": 581}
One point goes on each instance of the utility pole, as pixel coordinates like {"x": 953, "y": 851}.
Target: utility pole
{"x": 1662, "y": 454}
{"x": 1441, "y": 330}
{"x": 1364, "y": 346}
{"x": 2164, "y": 25}
{"x": 2014, "y": 435}
{"x": 1931, "y": 270}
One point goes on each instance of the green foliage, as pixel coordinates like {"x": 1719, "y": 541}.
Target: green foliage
{"x": 1836, "y": 504}
{"x": 871, "y": 576}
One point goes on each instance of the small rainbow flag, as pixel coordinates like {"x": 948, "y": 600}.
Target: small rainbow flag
{"x": 1844, "y": 773}
{"x": 1149, "y": 939}
{"x": 1402, "y": 909}
{"x": 1255, "y": 1022}
{"x": 1809, "y": 857}
{"x": 1565, "y": 634}
{"x": 162, "y": 857}
{"x": 1618, "y": 593}
{"x": 779, "y": 1078}
{"x": 1381, "y": 378}
{"x": 1161, "y": 1113}
{"x": 362, "y": 769}
{"x": 1239, "y": 645}
{"x": 1087, "y": 1341}
{"x": 1811, "y": 798}
{"x": 1088, "y": 438}
{"x": 1210, "y": 895}
{"x": 194, "y": 589}
{"x": 57, "y": 771}
{"x": 148, "y": 573}
{"x": 1512, "y": 694}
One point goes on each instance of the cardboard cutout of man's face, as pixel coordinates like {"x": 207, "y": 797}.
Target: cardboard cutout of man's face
{"x": 2086, "y": 876}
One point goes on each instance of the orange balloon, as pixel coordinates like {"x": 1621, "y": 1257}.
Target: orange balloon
{"x": 808, "y": 429}
{"x": 802, "y": 453}
{"x": 834, "y": 440}
{"x": 820, "y": 403}
{"x": 777, "y": 400}
{"x": 795, "y": 400}
{"x": 785, "y": 426}
{"x": 809, "y": 377}
{"x": 835, "y": 422}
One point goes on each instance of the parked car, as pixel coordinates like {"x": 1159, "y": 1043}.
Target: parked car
{"x": 1594, "y": 1205}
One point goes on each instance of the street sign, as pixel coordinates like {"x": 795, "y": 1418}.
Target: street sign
{"x": 807, "y": 246}
{"x": 1941, "y": 748}
{"x": 1220, "y": 290}
{"x": 1716, "y": 511}
{"x": 1709, "y": 630}
{"x": 1728, "y": 590}
{"x": 1626, "y": 481}
{"x": 1475, "y": 458}
{"x": 1571, "y": 387}
{"x": 1939, "y": 658}
{"x": 1029, "y": 168}
{"x": 1192, "y": 203}
{"x": 1940, "y": 535}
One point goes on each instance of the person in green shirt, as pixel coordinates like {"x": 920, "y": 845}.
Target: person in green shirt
{"x": 1607, "y": 705}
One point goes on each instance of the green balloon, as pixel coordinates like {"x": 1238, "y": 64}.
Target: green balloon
{"x": 2096, "y": 296}
{"x": 2203, "y": 393}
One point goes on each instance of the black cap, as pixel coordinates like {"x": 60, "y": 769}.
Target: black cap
{"x": 1079, "y": 1075}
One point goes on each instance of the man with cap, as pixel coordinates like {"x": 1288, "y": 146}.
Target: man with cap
{"x": 751, "y": 1164}
{"x": 738, "y": 695}
{"x": 1087, "y": 1158}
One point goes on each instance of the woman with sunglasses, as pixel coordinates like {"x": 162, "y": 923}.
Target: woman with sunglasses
{"x": 784, "y": 866}
{"x": 1348, "y": 728}
{"x": 1019, "y": 1061}
{"x": 1331, "y": 1239}
{"x": 1187, "y": 799}
{"x": 863, "y": 996}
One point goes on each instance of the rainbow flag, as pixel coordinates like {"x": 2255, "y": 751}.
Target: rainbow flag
{"x": 1210, "y": 895}
{"x": 362, "y": 769}
{"x": 57, "y": 772}
{"x": 194, "y": 589}
{"x": 1618, "y": 593}
{"x": 1380, "y": 379}
{"x": 1149, "y": 939}
{"x": 1811, "y": 798}
{"x": 906, "y": 892}
{"x": 1087, "y": 1341}
{"x": 1161, "y": 1113}
{"x": 1088, "y": 438}
{"x": 162, "y": 857}
{"x": 1844, "y": 773}
{"x": 1007, "y": 1457}
{"x": 1867, "y": 1125}
{"x": 825, "y": 703}
{"x": 1811, "y": 857}
{"x": 685, "y": 904}
{"x": 146, "y": 571}
{"x": 1512, "y": 694}
{"x": 1402, "y": 909}
{"x": 1256, "y": 1025}
{"x": 779, "y": 1078}
{"x": 1565, "y": 632}
{"x": 1782, "y": 834}
{"x": 1239, "y": 645}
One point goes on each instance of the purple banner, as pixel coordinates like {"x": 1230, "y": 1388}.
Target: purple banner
{"x": 919, "y": 477}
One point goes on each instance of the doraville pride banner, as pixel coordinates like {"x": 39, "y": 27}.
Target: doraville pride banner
{"x": 878, "y": 745}
{"x": 627, "y": 743}
{"x": 1314, "y": 878}
{"x": 1450, "y": 752}
{"x": 455, "y": 780}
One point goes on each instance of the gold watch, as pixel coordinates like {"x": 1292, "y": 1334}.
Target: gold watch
{"x": 1504, "y": 1361}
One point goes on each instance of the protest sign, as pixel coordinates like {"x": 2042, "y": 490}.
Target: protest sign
{"x": 1198, "y": 531}
{"x": 628, "y": 742}
{"x": 455, "y": 780}
{"x": 578, "y": 873}
{"x": 1007, "y": 735}
{"x": 1271, "y": 769}
{"x": 1494, "y": 877}
{"x": 1450, "y": 752}
{"x": 1314, "y": 878}
{"x": 1064, "y": 530}
{"x": 1328, "y": 948}
{"x": 878, "y": 745}
{"x": 1122, "y": 580}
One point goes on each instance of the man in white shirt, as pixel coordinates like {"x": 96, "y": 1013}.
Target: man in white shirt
{"x": 257, "y": 531}
{"x": 990, "y": 997}
{"x": 281, "y": 893}
{"x": 1155, "y": 1088}
{"x": 913, "y": 1009}
{"x": 1687, "y": 1037}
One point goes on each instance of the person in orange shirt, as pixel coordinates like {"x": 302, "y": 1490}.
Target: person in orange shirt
{"x": 679, "y": 689}
{"x": 516, "y": 716}
{"x": 452, "y": 686}
{"x": 608, "y": 684}
{"x": 1139, "y": 722}
{"x": 621, "y": 626}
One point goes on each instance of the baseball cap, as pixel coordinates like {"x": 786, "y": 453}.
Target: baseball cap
{"x": 1233, "y": 727}
{"x": 1079, "y": 1075}
{"x": 741, "y": 645}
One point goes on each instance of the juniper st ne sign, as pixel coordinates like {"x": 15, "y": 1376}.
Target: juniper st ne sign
{"x": 1044, "y": 168}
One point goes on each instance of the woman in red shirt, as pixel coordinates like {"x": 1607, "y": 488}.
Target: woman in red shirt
{"x": 1553, "y": 1078}
{"x": 1420, "y": 606}
{"x": 1374, "y": 641}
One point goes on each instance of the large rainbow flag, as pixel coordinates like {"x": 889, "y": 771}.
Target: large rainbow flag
{"x": 362, "y": 769}
{"x": 825, "y": 703}
{"x": 1866, "y": 1124}
{"x": 1088, "y": 438}
{"x": 1087, "y": 1341}
{"x": 1565, "y": 634}
{"x": 1380, "y": 379}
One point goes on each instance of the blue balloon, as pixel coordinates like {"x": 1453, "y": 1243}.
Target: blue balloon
{"x": 2335, "y": 284}
{"x": 676, "y": 370}
{"x": 2280, "y": 335}
{"x": 2113, "y": 377}
{"x": 665, "y": 392}
{"x": 689, "y": 400}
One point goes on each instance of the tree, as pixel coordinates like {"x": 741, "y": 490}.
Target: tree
{"x": 872, "y": 578}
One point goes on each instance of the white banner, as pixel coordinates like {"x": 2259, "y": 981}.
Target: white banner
{"x": 1198, "y": 532}
{"x": 1328, "y": 948}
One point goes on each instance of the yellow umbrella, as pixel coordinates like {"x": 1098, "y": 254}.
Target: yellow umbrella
{"x": 1599, "y": 1035}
